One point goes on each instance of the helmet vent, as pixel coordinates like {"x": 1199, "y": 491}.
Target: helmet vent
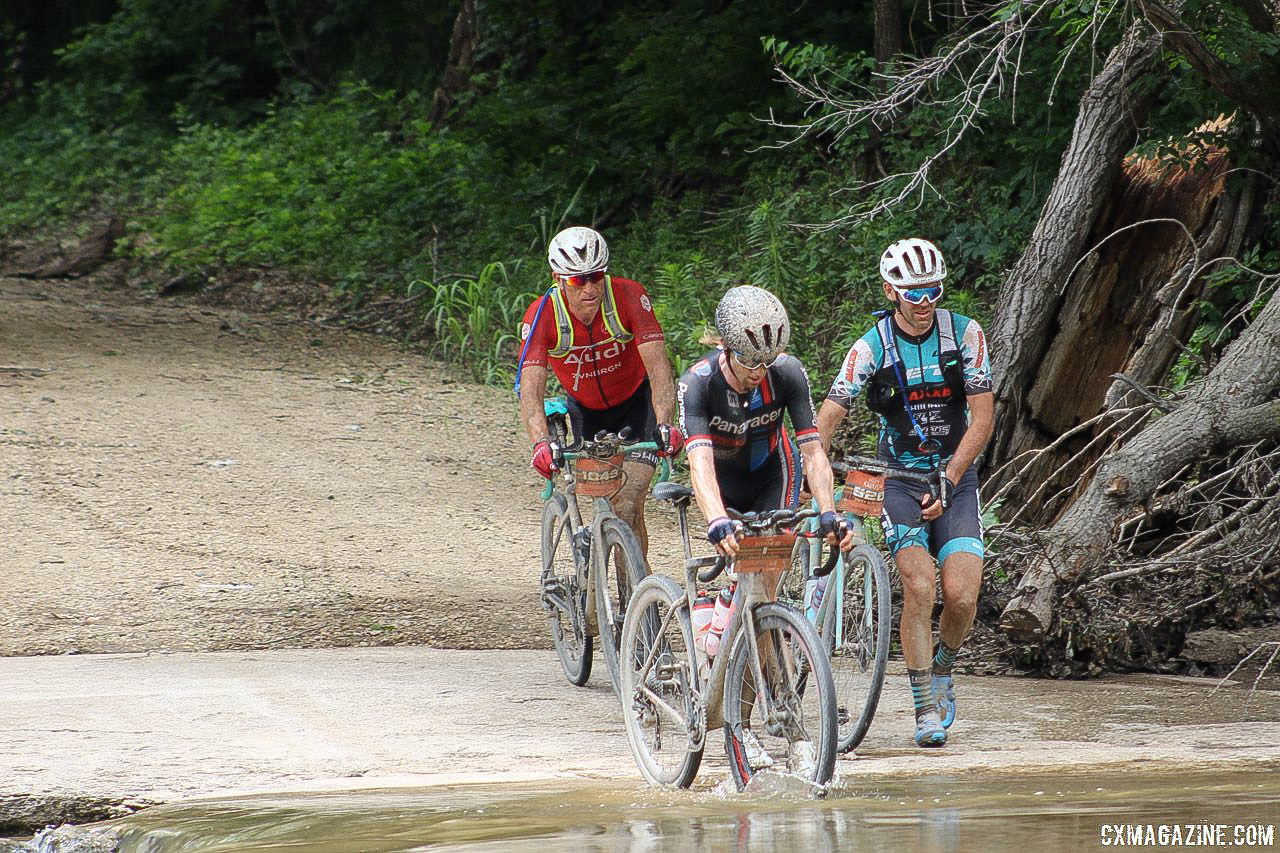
{"x": 751, "y": 336}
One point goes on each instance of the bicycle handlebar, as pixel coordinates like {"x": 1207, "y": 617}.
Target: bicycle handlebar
{"x": 605, "y": 445}
{"x": 771, "y": 520}
{"x": 885, "y": 469}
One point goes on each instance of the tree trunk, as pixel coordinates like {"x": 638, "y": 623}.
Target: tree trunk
{"x": 1131, "y": 305}
{"x": 1233, "y": 405}
{"x": 457, "y": 72}
{"x": 890, "y": 35}
{"x": 1110, "y": 111}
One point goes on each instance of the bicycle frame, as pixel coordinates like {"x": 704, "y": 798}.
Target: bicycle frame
{"x": 752, "y": 590}
{"x": 836, "y": 578}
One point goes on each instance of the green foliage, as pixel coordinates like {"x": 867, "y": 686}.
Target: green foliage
{"x": 57, "y": 160}
{"x": 474, "y": 321}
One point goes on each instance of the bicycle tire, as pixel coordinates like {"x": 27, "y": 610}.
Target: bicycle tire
{"x": 568, "y": 628}
{"x": 807, "y": 690}
{"x": 858, "y": 664}
{"x": 673, "y": 678}
{"x": 619, "y": 568}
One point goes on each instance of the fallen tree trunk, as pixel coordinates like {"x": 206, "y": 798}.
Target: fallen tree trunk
{"x": 1110, "y": 112}
{"x": 1227, "y": 648}
{"x": 1234, "y": 405}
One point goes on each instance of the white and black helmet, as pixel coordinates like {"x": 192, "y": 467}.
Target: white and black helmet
{"x": 577, "y": 250}
{"x": 912, "y": 262}
{"x": 752, "y": 322}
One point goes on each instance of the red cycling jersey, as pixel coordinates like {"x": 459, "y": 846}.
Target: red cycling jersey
{"x": 598, "y": 370}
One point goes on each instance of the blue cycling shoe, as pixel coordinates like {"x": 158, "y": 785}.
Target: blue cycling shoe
{"x": 945, "y": 694}
{"x": 929, "y": 730}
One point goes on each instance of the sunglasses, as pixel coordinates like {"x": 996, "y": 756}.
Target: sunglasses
{"x": 583, "y": 279}
{"x": 920, "y": 295}
{"x": 748, "y": 364}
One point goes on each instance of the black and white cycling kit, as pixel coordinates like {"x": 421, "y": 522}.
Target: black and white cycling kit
{"x": 757, "y": 465}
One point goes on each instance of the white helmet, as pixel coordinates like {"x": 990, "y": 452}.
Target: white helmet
{"x": 577, "y": 250}
{"x": 753, "y": 323}
{"x": 912, "y": 262}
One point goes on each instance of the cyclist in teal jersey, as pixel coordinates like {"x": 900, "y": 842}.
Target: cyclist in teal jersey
{"x": 925, "y": 372}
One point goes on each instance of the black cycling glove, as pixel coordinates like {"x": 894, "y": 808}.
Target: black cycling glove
{"x": 719, "y": 529}
{"x": 946, "y": 490}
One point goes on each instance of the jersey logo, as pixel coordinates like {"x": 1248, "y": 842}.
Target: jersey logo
{"x": 646, "y": 304}
{"x": 587, "y": 354}
{"x": 525, "y": 329}
{"x": 765, "y": 419}
{"x": 702, "y": 368}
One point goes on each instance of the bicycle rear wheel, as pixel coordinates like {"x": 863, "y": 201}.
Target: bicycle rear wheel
{"x": 859, "y": 644}
{"x": 563, "y": 597}
{"x": 619, "y": 568}
{"x": 661, "y": 699}
{"x": 799, "y": 735}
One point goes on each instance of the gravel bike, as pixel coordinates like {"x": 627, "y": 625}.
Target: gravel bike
{"x": 588, "y": 570}
{"x": 769, "y": 686}
{"x": 851, "y": 605}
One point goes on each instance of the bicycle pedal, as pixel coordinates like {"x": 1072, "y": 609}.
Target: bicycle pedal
{"x": 842, "y": 716}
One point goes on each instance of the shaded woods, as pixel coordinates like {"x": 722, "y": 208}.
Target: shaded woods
{"x": 1102, "y": 179}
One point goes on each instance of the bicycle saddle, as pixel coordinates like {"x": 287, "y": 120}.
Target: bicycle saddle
{"x": 677, "y": 493}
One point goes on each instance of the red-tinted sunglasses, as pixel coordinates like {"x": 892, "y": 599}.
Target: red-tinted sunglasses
{"x": 584, "y": 278}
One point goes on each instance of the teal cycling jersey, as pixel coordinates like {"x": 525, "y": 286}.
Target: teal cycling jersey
{"x": 938, "y": 371}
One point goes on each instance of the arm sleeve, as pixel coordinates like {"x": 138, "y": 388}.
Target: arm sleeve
{"x": 536, "y": 354}
{"x": 804, "y": 419}
{"x": 977, "y": 360}
{"x": 637, "y": 306}
{"x": 858, "y": 367}
{"x": 691, "y": 396}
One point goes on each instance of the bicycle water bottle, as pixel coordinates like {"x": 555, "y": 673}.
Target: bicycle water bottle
{"x": 703, "y": 606}
{"x": 814, "y": 589}
{"x": 720, "y": 617}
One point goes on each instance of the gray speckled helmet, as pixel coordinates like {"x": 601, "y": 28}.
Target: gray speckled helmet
{"x": 753, "y": 323}
{"x": 577, "y": 250}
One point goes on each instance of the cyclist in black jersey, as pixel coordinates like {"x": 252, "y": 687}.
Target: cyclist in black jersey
{"x": 731, "y": 408}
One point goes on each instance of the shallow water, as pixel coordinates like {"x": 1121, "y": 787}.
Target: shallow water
{"x": 991, "y": 813}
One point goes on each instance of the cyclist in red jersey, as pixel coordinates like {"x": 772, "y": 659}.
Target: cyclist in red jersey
{"x": 599, "y": 336}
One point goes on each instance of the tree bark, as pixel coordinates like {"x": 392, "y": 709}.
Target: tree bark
{"x": 1232, "y": 403}
{"x": 890, "y": 34}
{"x": 457, "y": 72}
{"x": 1105, "y": 127}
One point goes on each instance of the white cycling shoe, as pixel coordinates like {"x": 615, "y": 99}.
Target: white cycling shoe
{"x": 757, "y": 756}
{"x": 802, "y": 759}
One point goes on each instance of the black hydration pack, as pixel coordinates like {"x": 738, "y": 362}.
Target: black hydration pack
{"x": 884, "y": 394}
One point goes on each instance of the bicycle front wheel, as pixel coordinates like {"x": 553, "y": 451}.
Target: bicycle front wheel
{"x": 856, "y": 635}
{"x": 563, "y": 597}
{"x": 619, "y": 568}
{"x": 659, "y": 685}
{"x": 790, "y": 724}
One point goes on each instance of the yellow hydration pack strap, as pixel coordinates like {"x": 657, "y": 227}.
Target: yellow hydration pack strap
{"x": 564, "y": 323}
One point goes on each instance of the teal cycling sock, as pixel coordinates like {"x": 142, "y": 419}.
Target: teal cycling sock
{"x": 944, "y": 658}
{"x": 922, "y": 691}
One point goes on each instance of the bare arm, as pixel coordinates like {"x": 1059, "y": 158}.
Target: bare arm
{"x": 817, "y": 471}
{"x": 829, "y": 416}
{"x": 702, "y": 474}
{"x": 533, "y": 392}
{"x": 661, "y": 383}
{"x": 981, "y": 423}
